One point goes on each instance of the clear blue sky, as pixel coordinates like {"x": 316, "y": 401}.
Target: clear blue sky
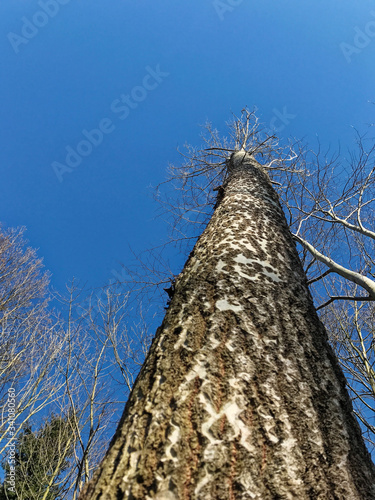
{"x": 66, "y": 66}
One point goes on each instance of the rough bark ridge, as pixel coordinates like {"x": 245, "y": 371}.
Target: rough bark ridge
{"x": 240, "y": 396}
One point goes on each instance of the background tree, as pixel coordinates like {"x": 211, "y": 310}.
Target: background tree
{"x": 28, "y": 344}
{"x": 102, "y": 353}
{"x": 331, "y": 206}
{"x": 77, "y": 358}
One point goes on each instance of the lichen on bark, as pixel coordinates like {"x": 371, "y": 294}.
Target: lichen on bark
{"x": 240, "y": 396}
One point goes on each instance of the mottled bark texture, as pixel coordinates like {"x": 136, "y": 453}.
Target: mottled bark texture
{"x": 240, "y": 396}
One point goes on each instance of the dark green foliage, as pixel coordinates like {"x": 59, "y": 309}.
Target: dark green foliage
{"x": 41, "y": 459}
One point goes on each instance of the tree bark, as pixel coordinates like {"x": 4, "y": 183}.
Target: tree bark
{"x": 240, "y": 396}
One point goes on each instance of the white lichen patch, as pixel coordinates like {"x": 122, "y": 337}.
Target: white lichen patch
{"x": 199, "y": 369}
{"x": 206, "y": 479}
{"x": 195, "y": 266}
{"x": 224, "y": 305}
{"x": 163, "y": 491}
{"x": 220, "y": 265}
{"x": 241, "y": 259}
{"x": 232, "y": 411}
{"x": 173, "y": 439}
{"x": 229, "y": 345}
{"x": 181, "y": 339}
{"x": 273, "y": 276}
{"x": 184, "y": 319}
{"x": 215, "y": 450}
{"x": 202, "y": 361}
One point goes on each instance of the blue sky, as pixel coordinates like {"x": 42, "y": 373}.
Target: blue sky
{"x": 66, "y": 66}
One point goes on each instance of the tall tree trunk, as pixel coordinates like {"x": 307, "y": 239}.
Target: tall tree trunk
{"x": 240, "y": 396}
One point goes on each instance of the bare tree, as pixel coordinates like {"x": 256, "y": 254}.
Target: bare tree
{"x": 329, "y": 200}
{"x": 352, "y": 332}
{"x": 331, "y": 213}
{"x": 75, "y": 364}
{"x": 28, "y": 346}
{"x": 103, "y": 351}
{"x": 240, "y": 395}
